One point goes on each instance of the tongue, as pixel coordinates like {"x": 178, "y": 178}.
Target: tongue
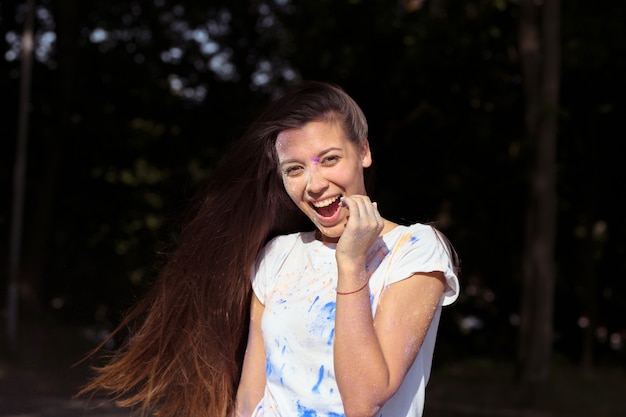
{"x": 329, "y": 210}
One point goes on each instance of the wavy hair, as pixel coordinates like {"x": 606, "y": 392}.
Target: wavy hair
{"x": 184, "y": 340}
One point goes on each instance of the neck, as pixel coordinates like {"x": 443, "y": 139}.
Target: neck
{"x": 388, "y": 226}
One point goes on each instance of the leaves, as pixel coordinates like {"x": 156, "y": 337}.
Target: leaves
{"x": 133, "y": 103}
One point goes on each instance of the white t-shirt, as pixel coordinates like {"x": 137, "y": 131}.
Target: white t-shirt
{"x": 295, "y": 279}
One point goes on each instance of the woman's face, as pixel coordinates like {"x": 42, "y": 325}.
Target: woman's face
{"x": 319, "y": 165}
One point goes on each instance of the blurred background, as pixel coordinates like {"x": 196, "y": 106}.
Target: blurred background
{"x": 500, "y": 120}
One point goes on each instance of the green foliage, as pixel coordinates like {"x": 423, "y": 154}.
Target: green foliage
{"x": 135, "y": 102}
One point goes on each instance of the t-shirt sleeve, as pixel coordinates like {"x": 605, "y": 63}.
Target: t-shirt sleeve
{"x": 422, "y": 249}
{"x": 263, "y": 273}
{"x": 257, "y": 280}
{"x": 259, "y": 275}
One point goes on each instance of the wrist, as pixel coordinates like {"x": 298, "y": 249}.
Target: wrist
{"x": 351, "y": 280}
{"x": 359, "y": 289}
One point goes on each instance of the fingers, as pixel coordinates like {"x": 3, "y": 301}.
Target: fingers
{"x": 363, "y": 210}
{"x": 363, "y": 227}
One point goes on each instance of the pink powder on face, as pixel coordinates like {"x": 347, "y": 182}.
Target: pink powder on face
{"x": 315, "y": 160}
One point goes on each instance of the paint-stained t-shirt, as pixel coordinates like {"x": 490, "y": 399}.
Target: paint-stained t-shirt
{"x": 295, "y": 279}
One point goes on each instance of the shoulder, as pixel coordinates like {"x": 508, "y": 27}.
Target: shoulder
{"x": 422, "y": 229}
{"x": 421, "y": 243}
{"x": 287, "y": 240}
{"x": 279, "y": 246}
{"x": 412, "y": 234}
{"x": 418, "y": 248}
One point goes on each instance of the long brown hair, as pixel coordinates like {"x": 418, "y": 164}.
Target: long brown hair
{"x": 186, "y": 337}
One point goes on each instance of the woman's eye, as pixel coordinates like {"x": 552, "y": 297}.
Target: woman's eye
{"x": 292, "y": 171}
{"x": 331, "y": 160}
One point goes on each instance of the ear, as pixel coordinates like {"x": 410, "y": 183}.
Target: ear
{"x": 366, "y": 155}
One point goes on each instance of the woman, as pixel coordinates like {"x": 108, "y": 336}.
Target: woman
{"x": 343, "y": 314}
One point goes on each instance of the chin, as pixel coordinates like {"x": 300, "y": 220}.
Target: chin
{"x": 332, "y": 232}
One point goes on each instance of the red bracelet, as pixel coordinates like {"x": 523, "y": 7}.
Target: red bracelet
{"x": 355, "y": 291}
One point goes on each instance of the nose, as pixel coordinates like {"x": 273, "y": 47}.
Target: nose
{"x": 316, "y": 182}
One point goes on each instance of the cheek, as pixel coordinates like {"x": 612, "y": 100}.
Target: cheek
{"x": 292, "y": 188}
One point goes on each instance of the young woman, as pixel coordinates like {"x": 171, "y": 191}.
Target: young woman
{"x": 342, "y": 313}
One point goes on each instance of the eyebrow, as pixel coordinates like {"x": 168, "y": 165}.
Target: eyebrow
{"x": 319, "y": 155}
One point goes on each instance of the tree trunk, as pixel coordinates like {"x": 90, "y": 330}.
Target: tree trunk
{"x": 39, "y": 225}
{"x": 540, "y": 55}
{"x": 588, "y": 294}
{"x": 19, "y": 178}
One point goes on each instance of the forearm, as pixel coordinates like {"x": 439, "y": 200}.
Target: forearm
{"x": 252, "y": 383}
{"x": 360, "y": 367}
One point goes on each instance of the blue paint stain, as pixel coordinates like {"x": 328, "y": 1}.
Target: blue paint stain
{"x": 306, "y": 412}
{"x": 320, "y": 377}
{"x": 329, "y": 310}
{"x": 413, "y": 239}
{"x": 268, "y": 367}
{"x": 281, "y": 379}
{"x": 313, "y": 303}
{"x": 325, "y": 321}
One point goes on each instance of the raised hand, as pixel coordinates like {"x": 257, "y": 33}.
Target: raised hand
{"x": 363, "y": 227}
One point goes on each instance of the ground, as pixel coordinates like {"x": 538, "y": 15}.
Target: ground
{"x": 41, "y": 379}
{"x": 48, "y": 393}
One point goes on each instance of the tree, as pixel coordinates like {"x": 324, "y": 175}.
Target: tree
{"x": 540, "y": 56}
{"x": 15, "y": 244}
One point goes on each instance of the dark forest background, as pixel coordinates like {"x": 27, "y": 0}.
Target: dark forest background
{"x": 130, "y": 104}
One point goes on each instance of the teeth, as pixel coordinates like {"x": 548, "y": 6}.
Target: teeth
{"x": 325, "y": 203}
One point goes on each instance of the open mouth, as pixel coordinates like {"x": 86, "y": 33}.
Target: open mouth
{"x": 328, "y": 207}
